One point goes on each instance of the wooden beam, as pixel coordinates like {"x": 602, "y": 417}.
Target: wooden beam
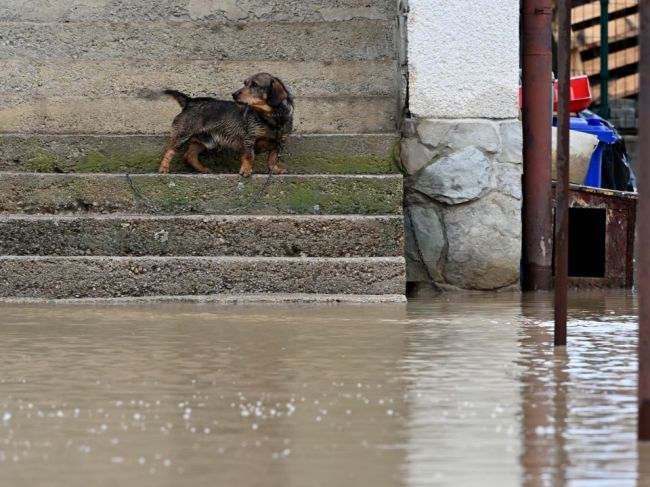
{"x": 618, "y": 88}
{"x": 616, "y": 60}
{"x": 590, "y": 11}
{"x": 618, "y": 29}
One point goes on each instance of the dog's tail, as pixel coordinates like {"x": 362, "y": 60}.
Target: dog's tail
{"x": 181, "y": 98}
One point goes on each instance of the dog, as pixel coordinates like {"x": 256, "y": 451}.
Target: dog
{"x": 258, "y": 120}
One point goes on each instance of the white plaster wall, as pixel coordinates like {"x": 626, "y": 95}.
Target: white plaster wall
{"x": 463, "y": 58}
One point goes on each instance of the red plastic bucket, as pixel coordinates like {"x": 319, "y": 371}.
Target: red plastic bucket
{"x": 579, "y": 98}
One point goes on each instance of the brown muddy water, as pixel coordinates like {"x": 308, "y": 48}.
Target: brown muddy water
{"x": 453, "y": 390}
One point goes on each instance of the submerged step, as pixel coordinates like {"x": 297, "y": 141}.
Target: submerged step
{"x": 205, "y": 235}
{"x": 204, "y": 194}
{"x": 105, "y": 277}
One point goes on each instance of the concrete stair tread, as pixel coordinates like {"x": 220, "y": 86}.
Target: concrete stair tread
{"x": 87, "y": 153}
{"x": 105, "y": 277}
{"x": 204, "y": 235}
{"x": 200, "y": 194}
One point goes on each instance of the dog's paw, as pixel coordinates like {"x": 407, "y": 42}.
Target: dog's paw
{"x": 277, "y": 169}
{"x": 164, "y": 170}
{"x": 246, "y": 172}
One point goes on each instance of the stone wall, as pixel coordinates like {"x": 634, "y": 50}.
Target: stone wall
{"x": 461, "y": 149}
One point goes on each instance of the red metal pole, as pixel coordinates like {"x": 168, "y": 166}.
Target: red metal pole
{"x": 562, "y": 183}
{"x": 644, "y": 225}
{"x": 536, "y": 111}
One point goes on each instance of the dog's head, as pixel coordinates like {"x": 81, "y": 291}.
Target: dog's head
{"x": 263, "y": 92}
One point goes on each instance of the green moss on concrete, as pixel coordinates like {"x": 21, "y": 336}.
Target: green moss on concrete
{"x": 43, "y": 162}
{"x": 228, "y": 164}
{"x": 141, "y": 154}
{"x": 202, "y": 194}
{"x": 167, "y": 194}
{"x": 135, "y": 162}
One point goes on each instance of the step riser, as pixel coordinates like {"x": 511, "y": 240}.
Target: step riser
{"x": 216, "y": 194}
{"x": 52, "y": 78}
{"x": 205, "y": 236}
{"x": 349, "y": 40}
{"x": 178, "y": 10}
{"x": 311, "y": 154}
{"x": 69, "y": 277}
{"x": 136, "y": 116}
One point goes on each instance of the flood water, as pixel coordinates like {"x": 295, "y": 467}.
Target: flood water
{"x": 450, "y": 390}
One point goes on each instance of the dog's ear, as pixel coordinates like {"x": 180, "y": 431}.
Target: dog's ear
{"x": 277, "y": 93}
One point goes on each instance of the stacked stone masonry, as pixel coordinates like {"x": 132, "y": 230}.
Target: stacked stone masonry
{"x": 463, "y": 203}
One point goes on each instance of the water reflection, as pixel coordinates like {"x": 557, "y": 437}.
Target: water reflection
{"x": 452, "y": 390}
{"x": 579, "y": 403}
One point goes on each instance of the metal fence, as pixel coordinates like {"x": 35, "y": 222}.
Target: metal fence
{"x": 605, "y": 46}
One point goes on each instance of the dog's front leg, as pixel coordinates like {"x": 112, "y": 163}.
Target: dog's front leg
{"x": 246, "y": 168}
{"x": 274, "y": 162}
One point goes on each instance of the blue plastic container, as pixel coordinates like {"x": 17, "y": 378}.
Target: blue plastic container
{"x": 593, "y": 125}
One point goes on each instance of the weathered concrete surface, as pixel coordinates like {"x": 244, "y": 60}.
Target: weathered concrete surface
{"x": 65, "y": 77}
{"x": 463, "y": 58}
{"x": 263, "y": 236}
{"x": 354, "y": 40}
{"x": 69, "y": 277}
{"x": 69, "y": 103}
{"x": 303, "y": 154}
{"x": 213, "y": 10}
{"x": 137, "y": 116}
{"x": 207, "y": 194}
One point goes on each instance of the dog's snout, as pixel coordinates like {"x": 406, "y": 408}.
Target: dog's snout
{"x": 235, "y": 94}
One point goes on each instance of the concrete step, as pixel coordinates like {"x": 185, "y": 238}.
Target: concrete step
{"x": 352, "y": 40}
{"x": 130, "y": 115}
{"x": 303, "y": 154}
{"x": 241, "y": 11}
{"x": 202, "y": 235}
{"x": 201, "y": 194}
{"x": 51, "y": 78}
{"x": 105, "y": 277}
{"x": 247, "y": 298}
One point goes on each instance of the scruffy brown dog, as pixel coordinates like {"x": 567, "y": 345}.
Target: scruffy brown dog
{"x": 259, "y": 120}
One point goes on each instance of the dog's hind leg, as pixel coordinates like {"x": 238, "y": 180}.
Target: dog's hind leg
{"x": 166, "y": 160}
{"x": 274, "y": 162}
{"x": 192, "y": 156}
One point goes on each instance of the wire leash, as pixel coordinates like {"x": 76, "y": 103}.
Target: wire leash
{"x": 140, "y": 199}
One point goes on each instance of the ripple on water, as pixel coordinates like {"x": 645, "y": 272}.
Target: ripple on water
{"x": 452, "y": 390}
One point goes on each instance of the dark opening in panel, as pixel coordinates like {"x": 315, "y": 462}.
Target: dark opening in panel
{"x": 587, "y": 228}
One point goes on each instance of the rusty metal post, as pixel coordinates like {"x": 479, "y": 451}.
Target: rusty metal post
{"x": 644, "y": 226}
{"x": 562, "y": 181}
{"x": 536, "y": 111}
